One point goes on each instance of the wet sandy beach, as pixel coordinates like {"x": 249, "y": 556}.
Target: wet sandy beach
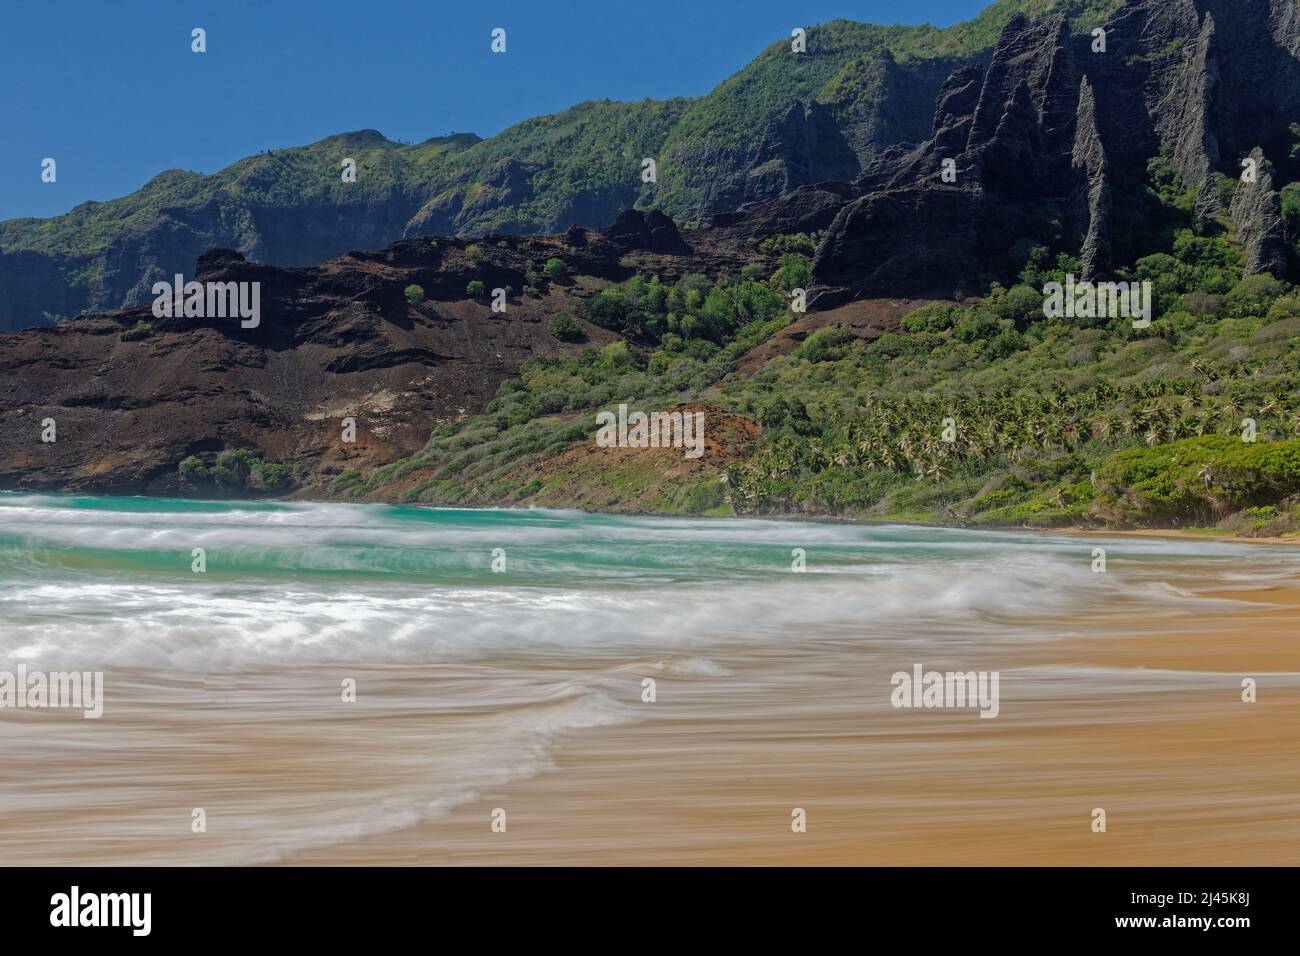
{"x": 1188, "y": 773}
{"x": 1147, "y": 723}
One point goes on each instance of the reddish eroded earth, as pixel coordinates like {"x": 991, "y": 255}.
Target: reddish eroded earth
{"x": 336, "y": 340}
{"x": 867, "y": 318}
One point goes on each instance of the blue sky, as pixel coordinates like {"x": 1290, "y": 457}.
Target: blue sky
{"x": 111, "y": 90}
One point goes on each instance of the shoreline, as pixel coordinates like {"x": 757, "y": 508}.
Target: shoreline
{"x": 1154, "y": 533}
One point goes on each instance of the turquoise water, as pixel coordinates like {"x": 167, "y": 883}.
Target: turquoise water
{"x": 87, "y": 581}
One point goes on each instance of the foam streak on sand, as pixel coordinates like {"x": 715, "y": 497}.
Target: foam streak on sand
{"x": 524, "y": 689}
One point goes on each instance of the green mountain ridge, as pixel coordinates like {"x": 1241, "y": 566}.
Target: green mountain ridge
{"x": 582, "y": 165}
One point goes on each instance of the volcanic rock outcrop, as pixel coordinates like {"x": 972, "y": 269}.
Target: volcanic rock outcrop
{"x": 1257, "y": 213}
{"x": 1057, "y": 129}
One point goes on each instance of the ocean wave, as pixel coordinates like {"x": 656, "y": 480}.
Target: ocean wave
{"x": 86, "y": 586}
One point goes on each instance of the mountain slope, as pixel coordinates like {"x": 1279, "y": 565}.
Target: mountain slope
{"x": 782, "y": 121}
{"x": 132, "y": 395}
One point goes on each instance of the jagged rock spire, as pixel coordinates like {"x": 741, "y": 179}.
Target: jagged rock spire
{"x": 1257, "y": 214}
{"x": 1091, "y": 207}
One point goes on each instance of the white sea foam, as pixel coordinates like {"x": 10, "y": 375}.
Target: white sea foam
{"x": 82, "y": 586}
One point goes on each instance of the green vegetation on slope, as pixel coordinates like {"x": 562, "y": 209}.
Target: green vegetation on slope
{"x": 836, "y": 66}
{"x": 679, "y": 340}
{"x": 962, "y": 40}
{"x": 237, "y": 471}
{"x": 986, "y": 412}
{"x": 282, "y": 178}
{"x": 981, "y": 412}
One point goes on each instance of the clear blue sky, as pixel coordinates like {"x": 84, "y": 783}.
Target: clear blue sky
{"x": 111, "y": 90}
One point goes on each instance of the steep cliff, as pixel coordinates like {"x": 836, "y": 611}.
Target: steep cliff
{"x": 1257, "y": 212}
{"x": 1043, "y": 144}
{"x": 1090, "y": 214}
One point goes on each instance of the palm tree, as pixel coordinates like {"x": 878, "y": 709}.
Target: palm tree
{"x": 1233, "y": 405}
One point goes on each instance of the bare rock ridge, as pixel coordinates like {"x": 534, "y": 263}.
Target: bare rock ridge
{"x": 634, "y": 229}
{"x": 1184, "y": 122}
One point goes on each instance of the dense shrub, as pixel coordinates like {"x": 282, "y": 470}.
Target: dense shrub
{"x": 975, "y": 326}
{"x": 1197, "y": 479}
{"x": 1021, "y": 304}
{"x": 237, "y": 470}
{"x": 193, "y": 469}
{"x": 826, "y": 344}
{"x": 932, "y": 318}
{"x": 1254, "y": 295}
{"x": 565, "y": 328}
{"x": 795, "y": 272}
{"x": 141, "y": 330}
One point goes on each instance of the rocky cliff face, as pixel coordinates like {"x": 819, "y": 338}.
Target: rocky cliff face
{"x": 1090, "y": 212}
{"x": 1058, "y": 126}
{"x": 1257, "y": 212}
{"x": 1001, "y": 149}
{"x": 33, "y": 291}
{"x": 874, "y": 105}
